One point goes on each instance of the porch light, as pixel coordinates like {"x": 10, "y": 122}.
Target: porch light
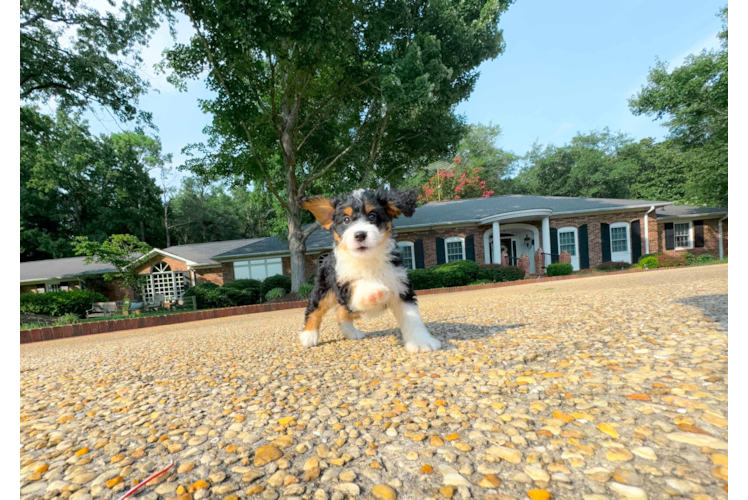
{"x": 529, "y": 242}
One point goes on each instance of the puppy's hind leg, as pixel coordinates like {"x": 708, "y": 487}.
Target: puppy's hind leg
{"x": 313, "y": 318}
{"x": 345, "y": 322}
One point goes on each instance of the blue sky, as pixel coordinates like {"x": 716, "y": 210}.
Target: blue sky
{"x": 567, "y": 67}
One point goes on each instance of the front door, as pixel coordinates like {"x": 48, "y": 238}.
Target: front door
{"x": 568, "y": 240}
{"x": 509, "y": 246}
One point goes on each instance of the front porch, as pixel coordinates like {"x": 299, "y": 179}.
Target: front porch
{"x": 521, "y": 236}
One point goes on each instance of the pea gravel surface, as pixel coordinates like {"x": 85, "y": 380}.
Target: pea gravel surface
{"x": 604, "y": 388}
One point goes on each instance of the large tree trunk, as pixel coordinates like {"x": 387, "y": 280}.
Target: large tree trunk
{"x": 166, "y": 225}
{"x": 297, "y": 247}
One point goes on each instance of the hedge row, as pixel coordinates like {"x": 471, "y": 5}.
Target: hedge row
{"x": 461, "y": 273}
{"x": 243, "y": 292}
{"x": 60, "y": 303}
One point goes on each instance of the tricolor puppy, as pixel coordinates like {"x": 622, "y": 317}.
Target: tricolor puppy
{"x": 364, "y": 274}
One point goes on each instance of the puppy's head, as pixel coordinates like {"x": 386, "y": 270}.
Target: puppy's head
{"x": 361, "y": 221}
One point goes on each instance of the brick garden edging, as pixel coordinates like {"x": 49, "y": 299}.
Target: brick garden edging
{"x": 118, "y": 325}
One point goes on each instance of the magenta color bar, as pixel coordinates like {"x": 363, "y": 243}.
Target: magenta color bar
{"x": 737, "y": 185}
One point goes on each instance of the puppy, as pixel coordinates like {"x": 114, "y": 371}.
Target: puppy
{"x": 364, "y": 274}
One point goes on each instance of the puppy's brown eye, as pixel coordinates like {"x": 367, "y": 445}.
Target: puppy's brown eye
{"x": 372, "y": 217}
{"x": 347, "y": 220}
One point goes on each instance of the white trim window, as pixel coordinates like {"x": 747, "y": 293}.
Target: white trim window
{"x": 567, "y": 241}
{"x": 620, "y": 242}
{"x": 407, "y": 253}
{"x": 257, "y": 269}
{"x": 454, "y": 248}
{"x": 322, "y": 258}
{"x": 683, "y": 235}
{"x": 53, "y": 287}
{"x": 164, "y": 282}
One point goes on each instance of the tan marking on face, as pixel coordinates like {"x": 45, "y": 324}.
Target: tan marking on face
{"x": 392, "y": 210}
{"x": 322, "y": 209}
{"x": 369, "y": 208}
{"x": 348, "y": 211}
{"x": 314, "y": 320}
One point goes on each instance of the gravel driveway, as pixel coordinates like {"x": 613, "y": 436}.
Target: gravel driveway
{"x": 602, "y": 388}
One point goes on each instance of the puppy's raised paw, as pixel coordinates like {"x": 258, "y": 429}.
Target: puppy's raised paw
{"x": 368, "y": 295}
{"x": 309, "y": 338}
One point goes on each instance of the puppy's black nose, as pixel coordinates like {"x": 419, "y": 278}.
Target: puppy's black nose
{"x": 360, "y": 235}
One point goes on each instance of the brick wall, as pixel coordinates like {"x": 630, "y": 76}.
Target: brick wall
{"x": 593, "y": 230}
{"x": 711, "y": 239}
{"x": 176, "y": 265}
{"x": 227, "y": 270}
{"x": 209, "y": 275}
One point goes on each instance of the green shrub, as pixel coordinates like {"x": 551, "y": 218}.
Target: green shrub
{"x": 456, "y": 273}
{"x": 60, "y": 303}
{"x": 494, "y": 273}
{"x": 612, "y": 266}
{"x": 251, "y": 287}
{"x": 671, "y": 261}
{"x": 304, "y": 291}
{"x": 277, "y": 281}
{"x": 481, "y": 282}
{"x": 705, "y": 259}
{"x": 422, "y": 279}
{"x": 210, "y": 295}
{"x": 559, "y": 269}
{"x": 690, "y": 258}
{"x": 650, "y": 254}
{"x": 67, "y": 319}
{"x": 311, "y": 279}
{"x": 649, "y": 262}
{"x": 275, "y": 293}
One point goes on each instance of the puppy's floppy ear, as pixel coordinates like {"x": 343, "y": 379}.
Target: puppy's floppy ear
{"x": 397, "y": 202}
{"x": 322, "y": 208}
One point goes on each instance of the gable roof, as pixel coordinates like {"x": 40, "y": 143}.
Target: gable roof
{"x": 443, "y": 213}
{"x": 71, "y": 267}
{"x": 201, "y": 253}
{"x": 676, "y": 211}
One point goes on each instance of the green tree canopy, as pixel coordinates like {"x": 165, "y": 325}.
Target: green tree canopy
{"x": 77, "y": 56}
{"x": 311, "y": 93}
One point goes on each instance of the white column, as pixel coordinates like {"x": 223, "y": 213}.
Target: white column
{"x": 496, "y": 243}
{"x": 721, "y": 240}
{"x": 546, "y": 226}
{"x": 646, "y": 232}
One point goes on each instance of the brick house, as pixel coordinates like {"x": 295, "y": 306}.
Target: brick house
{"x": 591, "y": 230}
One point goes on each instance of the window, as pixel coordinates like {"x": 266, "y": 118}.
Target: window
{"x": 407, "y": 254}
{"x": 40, "y": 288}
{"x": 619, "y": 237}
{"x": 682, "y": 232}
{"x": 567, "y": 241}
{"x": 53, "y": 287}
{"x": 163, "y": 281}
{"x": 455, "y": 247}
{"x": 257, "y": 269}
{"x": 322, "y": 258}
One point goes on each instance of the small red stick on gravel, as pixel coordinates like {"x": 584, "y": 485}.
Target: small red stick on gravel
{"x": 146, "y": 480}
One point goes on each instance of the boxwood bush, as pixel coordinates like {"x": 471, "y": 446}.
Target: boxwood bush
{"x": 612, "y": 266}
{"x": 671, "y": 261}
{"x": 705, "y": 259}
{"x": 247, "y": 285}
{"x": 60, "y": 303}
{"x": 559, "y": 269}
{"x": 461, "y": 273}
{"x": 649, "y": 262}
{"x": 496, "y": 273}
{"x": 277, "y": 281}
{"x": 650, "y": 254}
{"x": 210, "y": 295}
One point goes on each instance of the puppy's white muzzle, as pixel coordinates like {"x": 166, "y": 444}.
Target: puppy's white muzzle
{"x": 361, "y": 238}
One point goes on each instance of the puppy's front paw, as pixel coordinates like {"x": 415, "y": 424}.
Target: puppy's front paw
{"x": 422, "y": 343}
{"x": 369, "y": 296}
{"x": 309, "y": 338}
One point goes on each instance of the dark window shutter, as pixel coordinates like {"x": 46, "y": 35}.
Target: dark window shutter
{"x": 554, "y": 245}
{"x": 605, "y": 241}
{"x": 584, "y": 249}
{"x": 440, "y": 256}
{"x": 698, "y": 233}
{"x": 669, "y": 236}
{"x": 636, "y": 241}
{"x": 418, "y": 246}
{"x": 470, "y": 248}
